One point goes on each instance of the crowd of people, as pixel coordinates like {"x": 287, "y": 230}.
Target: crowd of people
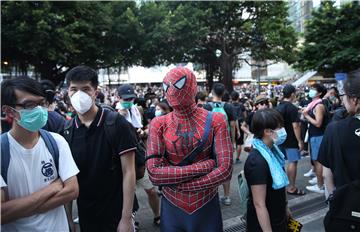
{"x": 176, "y": 141}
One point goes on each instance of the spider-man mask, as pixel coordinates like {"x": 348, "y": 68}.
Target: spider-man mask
{"x": 180, "y": 88}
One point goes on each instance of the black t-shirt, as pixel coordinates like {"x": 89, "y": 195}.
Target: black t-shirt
{"x": 55, "y": 122}
{"x": 340, "y": 150}
{"x": 100, "y": 176}
{"x": 228, "y": 108}
{"x": 290, "y": 115}
{"x": 239, "y": 110}
{"x": 257, "y": 172}
{"x": 249, "y": 118}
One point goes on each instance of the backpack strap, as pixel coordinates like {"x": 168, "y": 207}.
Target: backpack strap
{"x": 5, "y": 156}
{"x": 211, "y": 104}
{"x": 5, "y": 151}
{"x": 109, "y": 127}
{"x": 51, "y": 145}
{"x": 191, "y": 157}
{"x": 68, "y": 131}
{"x": 110, "y": 135}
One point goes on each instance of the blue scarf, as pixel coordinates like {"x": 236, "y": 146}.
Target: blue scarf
{"x": 276, "y": 161}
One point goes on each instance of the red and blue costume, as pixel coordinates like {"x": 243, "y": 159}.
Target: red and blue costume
{"x": 172, "y": 137}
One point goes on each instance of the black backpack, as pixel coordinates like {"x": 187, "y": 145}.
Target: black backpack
{"x": 239, "y": 113}
{"x": 110, "y": 134}
{"x": 344, "y": 212}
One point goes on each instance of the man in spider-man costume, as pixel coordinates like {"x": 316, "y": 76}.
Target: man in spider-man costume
{"x": 190, "y": 201}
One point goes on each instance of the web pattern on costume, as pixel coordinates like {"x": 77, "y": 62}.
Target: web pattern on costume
{"x": 177, "y": 134}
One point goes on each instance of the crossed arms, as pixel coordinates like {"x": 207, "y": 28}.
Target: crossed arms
{"x": 198, "y": 176}
{"x": 52, "y": 196}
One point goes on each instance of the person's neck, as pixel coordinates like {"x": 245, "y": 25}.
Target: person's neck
{"x": 217, "y": 99}
{"x": 27, "y": 139}
{"x": 316, "y": 98}
{"x": 288, "y": 100}
{"x": 185, "y": 112}
{"x": 89, "y": 116}
{"x": 268, "y": 142}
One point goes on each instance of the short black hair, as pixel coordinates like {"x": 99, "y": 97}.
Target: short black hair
{"x": 219, "y": 89}
{"x": 320, "y": 89}
{"x": 352, "y": 84}
{"x": 335, "y": 89}
{"x": 49, "y": 90}
{"x": 82, "y": 73}
{"x": 234, "y": 95}
{"x": 101, "y": 97}
{"x": 288, "y": 90}
{"x": 226, "y": 96}
{"x": 265, "y": 119}
{"x": 25, "y": 84}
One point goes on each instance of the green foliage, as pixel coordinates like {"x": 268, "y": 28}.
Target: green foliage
{"x": 52, "y": 35}
{"x": 332, "y": 39}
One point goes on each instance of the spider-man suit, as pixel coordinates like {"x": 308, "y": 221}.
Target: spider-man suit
{"x": 176, "y": 134}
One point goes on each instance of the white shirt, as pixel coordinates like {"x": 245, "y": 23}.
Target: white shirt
{"x": 133, "y": 115}
{"x": 31, "y": 170}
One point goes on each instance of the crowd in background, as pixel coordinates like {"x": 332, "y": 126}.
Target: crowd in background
{"x": 312, "y": 107}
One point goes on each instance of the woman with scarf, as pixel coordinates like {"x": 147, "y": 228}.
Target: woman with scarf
{"x": 265, "y": 174}
{"x": 316, "y": 115}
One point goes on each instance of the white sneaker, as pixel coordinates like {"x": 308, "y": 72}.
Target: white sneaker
{"x": 76, "y": 220}
{"x": 310, "y": 173}
{"x": 225, "y": 200}
{"x": 315, "y": 188}
{"x": 313, "y": 181}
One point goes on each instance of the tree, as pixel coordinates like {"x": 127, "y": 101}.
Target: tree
{"x": 332, "y": 39}
{"x": 193, "y": 31}
{"x": 53, "y": 36}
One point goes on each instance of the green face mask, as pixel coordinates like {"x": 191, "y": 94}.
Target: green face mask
{"x": 127, "y": 105}
{"x": 34, "y": 119}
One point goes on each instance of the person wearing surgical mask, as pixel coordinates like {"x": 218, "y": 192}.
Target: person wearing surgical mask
{"x": 265, "y": 173}
{"x": 316, "y": 118}
{"x": 107, "y": 188}
{"x": 130, "y": 111}
{"x": 127, "y": 108}
{"x": 34, "y": 184}
{"x": 161, "y": 109}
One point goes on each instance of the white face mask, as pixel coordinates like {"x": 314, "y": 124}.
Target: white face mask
{"x": 81, "y": 102}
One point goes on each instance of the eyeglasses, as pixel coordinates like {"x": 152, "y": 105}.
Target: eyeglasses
{"x": 29, "y": 105}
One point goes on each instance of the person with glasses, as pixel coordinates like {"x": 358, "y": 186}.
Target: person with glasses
{"x": 34, "y": 188}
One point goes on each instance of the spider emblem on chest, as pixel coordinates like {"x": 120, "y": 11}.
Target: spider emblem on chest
{"x": 184, "y": 141}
